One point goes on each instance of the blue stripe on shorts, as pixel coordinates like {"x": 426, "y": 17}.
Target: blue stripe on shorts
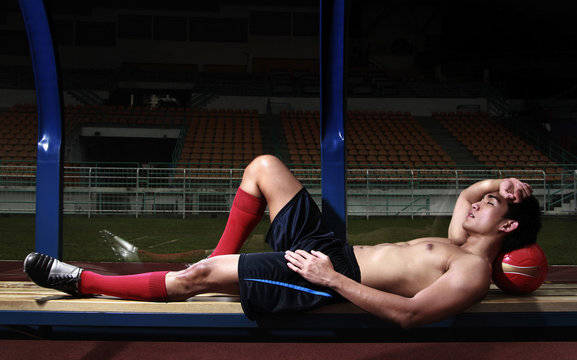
{"x": 292, "y": 286}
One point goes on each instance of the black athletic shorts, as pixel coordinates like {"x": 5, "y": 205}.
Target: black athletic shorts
{"x": 268, "y": 286}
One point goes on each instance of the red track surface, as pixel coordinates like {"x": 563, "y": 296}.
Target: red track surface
{"x": 139, "y": 350}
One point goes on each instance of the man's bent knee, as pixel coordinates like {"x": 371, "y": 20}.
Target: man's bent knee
{"x": 263, "y": 163}
{"x": 259, "y": 170}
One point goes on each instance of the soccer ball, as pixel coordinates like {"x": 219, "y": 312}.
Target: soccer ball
{"x": 520, "y": 271}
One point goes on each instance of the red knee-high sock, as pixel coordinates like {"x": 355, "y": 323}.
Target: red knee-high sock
{"x": 245, "y": 214}
{"x": 147, "y": 286}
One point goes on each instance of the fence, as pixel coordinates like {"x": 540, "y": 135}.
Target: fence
{"x": 184, "y": 192}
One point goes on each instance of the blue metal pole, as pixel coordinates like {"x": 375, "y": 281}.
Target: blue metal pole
{"x": 48, "y": 99}
{"x": 333, "y": 109}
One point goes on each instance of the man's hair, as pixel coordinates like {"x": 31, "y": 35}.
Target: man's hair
{"x": 528, "y": 215}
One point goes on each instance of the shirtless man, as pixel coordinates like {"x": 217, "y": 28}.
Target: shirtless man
{"x": 412, "y": 283}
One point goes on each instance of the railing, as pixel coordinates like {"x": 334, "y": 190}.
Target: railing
{"x": 563, "y": 194}
{"x": 184, "y": 192}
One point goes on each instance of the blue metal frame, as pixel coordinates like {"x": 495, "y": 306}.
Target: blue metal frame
{"x": 49, "y": 100}
{"x": 332, "y": 111}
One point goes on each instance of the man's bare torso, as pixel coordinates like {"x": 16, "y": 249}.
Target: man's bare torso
{"x": 406, "y": 268}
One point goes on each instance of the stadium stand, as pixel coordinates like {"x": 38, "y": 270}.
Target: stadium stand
{"x": 222, "y": 138}
{"x": 493, "y": 144}
{"x": 216, "y": 137}
{"x": 393, "y": 138}
{"x": 302, "y": 134}
{"x": 375, "y": 139}
{"x": 231, "y": 137}
{"x": 18, "y": 137}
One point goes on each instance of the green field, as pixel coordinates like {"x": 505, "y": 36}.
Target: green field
{"x": 167, "y": 235}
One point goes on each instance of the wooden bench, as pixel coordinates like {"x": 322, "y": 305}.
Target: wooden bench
{"x": 24, "y": 303}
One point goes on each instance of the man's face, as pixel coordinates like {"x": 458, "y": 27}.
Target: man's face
{"x": 487, "y": 216}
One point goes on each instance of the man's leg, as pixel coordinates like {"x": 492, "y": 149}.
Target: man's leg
{"x": 213, "y": 275}
{"x": 218, "y": 274}
{"x": 265, "y": 177}
{"x": 245, "y": 214}
{"x": 268, "y": 177}
{"x": 146, "y": 286}
{"x": 266, "y": 180}
{"x": 210, "y": 275}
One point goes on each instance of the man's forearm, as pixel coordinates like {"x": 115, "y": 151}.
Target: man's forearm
{"x": 476, "y": 191}
{"x": 387, "y": 306}
{"x": 512, "y": 189}
{"x": 464, "y": 284}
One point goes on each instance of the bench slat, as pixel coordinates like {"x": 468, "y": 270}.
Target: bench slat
{"x": 26, "y": 296}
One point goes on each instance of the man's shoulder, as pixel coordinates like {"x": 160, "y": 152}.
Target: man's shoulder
{"x": 470, "y": 275}
{"x": 469, "y": 265}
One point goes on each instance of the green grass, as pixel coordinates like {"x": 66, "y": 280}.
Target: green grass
{"x": 167, "y": 235}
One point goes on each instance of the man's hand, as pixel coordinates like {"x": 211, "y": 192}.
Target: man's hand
{"x": 515, "y": 190}
{"x": 315, "y": 266}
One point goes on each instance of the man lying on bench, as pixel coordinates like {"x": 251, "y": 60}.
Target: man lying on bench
{"x": 412, "y": 283}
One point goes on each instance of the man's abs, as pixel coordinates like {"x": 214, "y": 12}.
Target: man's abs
{"x": 405, "y": 268}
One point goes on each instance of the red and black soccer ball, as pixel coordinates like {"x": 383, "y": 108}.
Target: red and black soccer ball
{"x": 520, "y": 271}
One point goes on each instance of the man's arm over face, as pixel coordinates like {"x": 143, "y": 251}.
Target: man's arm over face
{"x": 465, "y": 283}
{"x": 466, "y": 199}
{"x": 511, "y": 189}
